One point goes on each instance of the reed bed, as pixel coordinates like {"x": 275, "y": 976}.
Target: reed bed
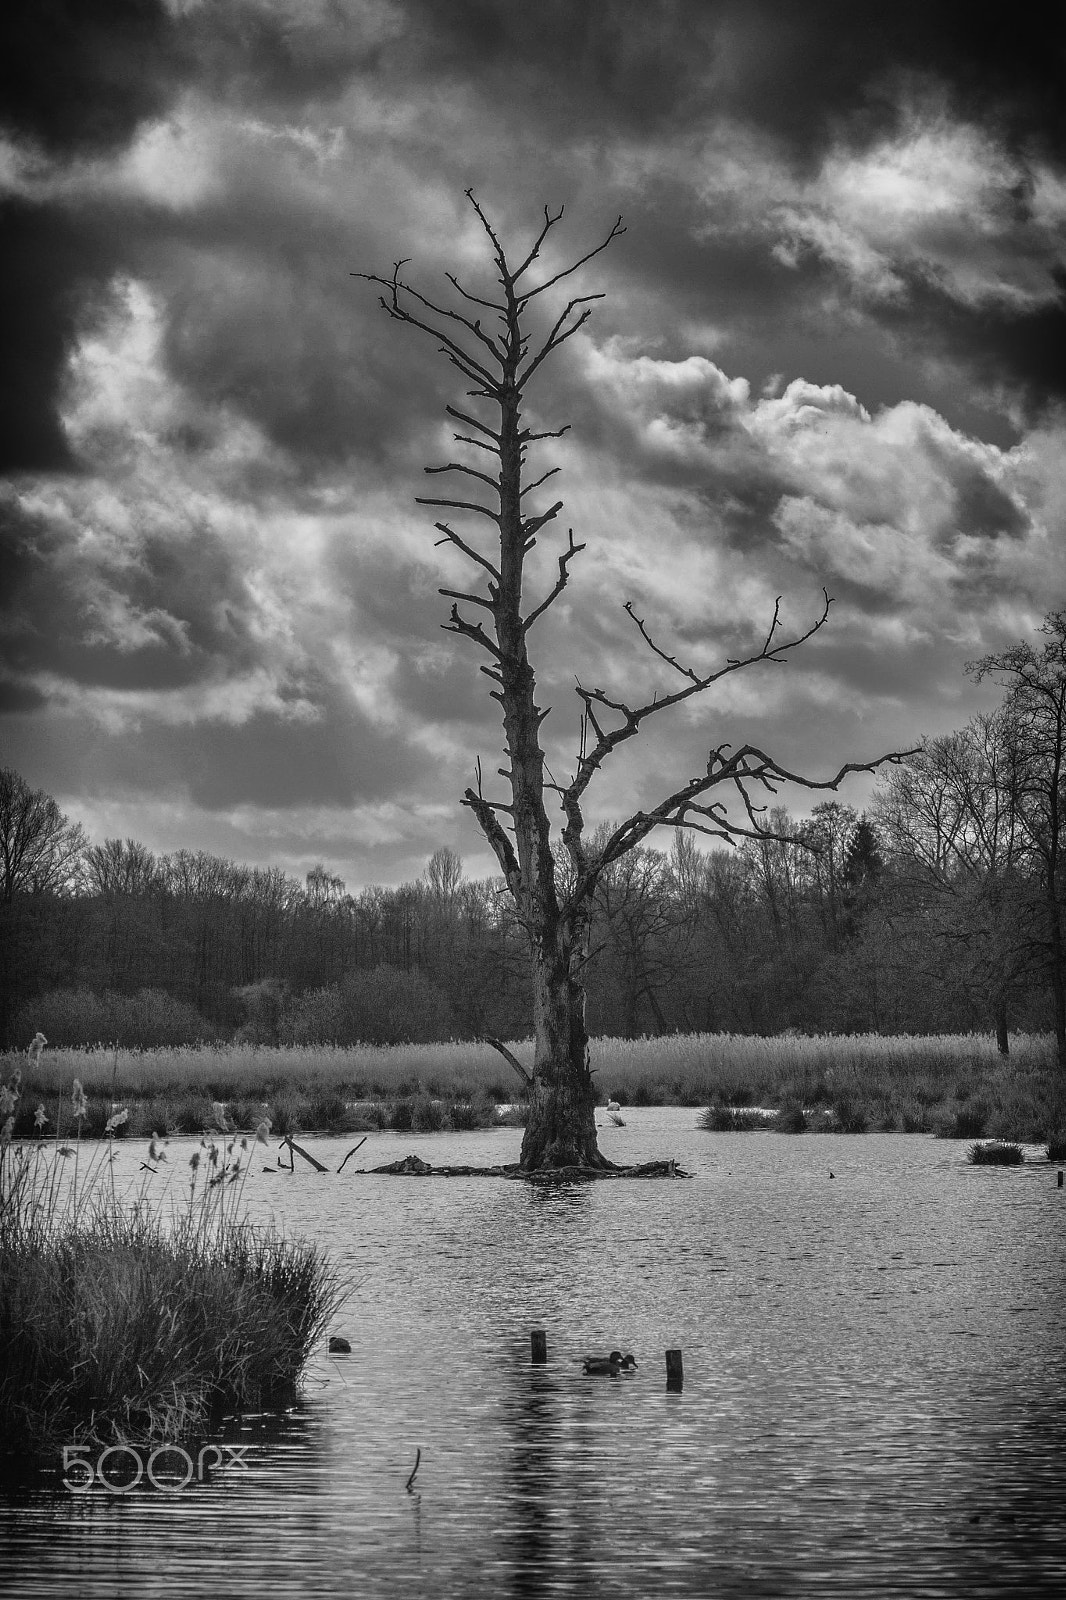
{"x": 256, "y": 1072}
{"x": 956, "y": 1085}
{"x": 121, "y": 1323}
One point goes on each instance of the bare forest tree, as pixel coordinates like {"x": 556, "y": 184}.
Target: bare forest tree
{"x": 500, "y": 365}
{"x": 40, "y": 848}
{"x": 951, "y": 818}
{"x": 1034, "y": 715}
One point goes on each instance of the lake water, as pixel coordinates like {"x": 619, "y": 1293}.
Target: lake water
{"x": 874, "y": 1394}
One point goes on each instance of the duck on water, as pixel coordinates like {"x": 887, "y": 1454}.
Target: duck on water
{"x": 609, "y": 1366}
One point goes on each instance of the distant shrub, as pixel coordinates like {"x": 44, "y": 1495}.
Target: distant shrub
{"x": 289, "y": 1113}
{"x": 995, "y": 1153}
{"x": 847, "y": 1116}
{"x": 427, "y": 1115}
{"x": 914, "y": 1116}
{"x": 246, "y": 1114}
{"x": 366, "y": 1116}
{"x": 965, "y": 1122}
{"x": 464, "y": 1115}
{"x": 264, "y": 1006}
{"x": 790, "y": 1119}
{"x": 191, "y": 1113}
{"x": 380, "y": 1006}
{"x": 400, "y": 1115}
{"x": 1056, "y": 1147}
{"x": 151, "y": 1017}
{"x": 328, "y": 1110}
{"x": 648, "y": 1093}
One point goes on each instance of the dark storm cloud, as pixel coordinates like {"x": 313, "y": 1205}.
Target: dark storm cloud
{"x": 340, "y": 759}
{"x": 1023, "y": 350}
{"x": 54, "y": 264}
{"x": 171, "y": 617}
{"x": 82, "y": 75}
{"x": 77, "y": 77}
{"x": 275, "y": 326}
{"x": 800, "y": 72}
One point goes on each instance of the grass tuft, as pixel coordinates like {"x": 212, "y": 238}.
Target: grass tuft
{"x": 995, "y": 1153}
{"x": 120, "y": 1324}
{"x": 732, "y": 1119}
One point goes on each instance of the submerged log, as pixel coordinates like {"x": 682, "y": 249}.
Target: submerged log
{"x": 415, "y": 1167}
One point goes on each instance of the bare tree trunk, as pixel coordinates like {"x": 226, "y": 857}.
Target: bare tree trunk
{"x": 561, "y": 1127}
{"x": 1002, "y": 1036}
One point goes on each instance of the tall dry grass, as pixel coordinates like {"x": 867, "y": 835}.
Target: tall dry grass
{"x": 870, "y": 1081}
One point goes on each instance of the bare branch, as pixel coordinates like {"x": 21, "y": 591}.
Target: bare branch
{"x": 470, "y": 599}
{"x": 616, "y": 231}
{"x": 455, "y": 352}
{"x": 472, "y": 422}
{"x": 470, "y": 630}
{"x": 451, "y": 537}
{"x": 555, "y": 338}
{"x": 526, "y": 437}
{"x": 471, "y": 472}
{"x": 458, "y": 505}
{"x": 498, "y": 838}
{"x": 634, "y": 716}
{"x": 511, "y": 1060}
{"x": 490, "y": 305}
{"x": 501, "y": 259}
{"x": 748, "y": 766}
{"x": 686, "y": 672}
{"x": 538, "y": 481}
{"x": 532, "y": 525}
{"x": 549, "y": 223}
{"x": 462, "y": 438}
{"x": 565, "y": 559}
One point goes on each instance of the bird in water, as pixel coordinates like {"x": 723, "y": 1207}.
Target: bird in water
{"x": 609, "y": 1366}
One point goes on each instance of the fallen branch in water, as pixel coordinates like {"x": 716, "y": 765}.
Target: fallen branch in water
{"x": 352, "y": 1151}
{"x": 300, "y": 1151}
{"x": 418, "y": 1458}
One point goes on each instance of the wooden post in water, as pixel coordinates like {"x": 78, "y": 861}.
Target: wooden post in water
{"x": 1060, "y": 1180}
{"x": 675, "y": 1372}
{"x": 538, "y": 1341}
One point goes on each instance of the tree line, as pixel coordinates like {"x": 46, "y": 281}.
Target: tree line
{"x": 939, "y": 908}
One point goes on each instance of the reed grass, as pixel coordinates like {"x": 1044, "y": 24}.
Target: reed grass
{"x": 121, "y": 1323}
{"x": 956, "y": 1085}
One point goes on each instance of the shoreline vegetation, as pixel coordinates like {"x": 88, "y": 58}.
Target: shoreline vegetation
{"x": 952, "y": 1085}
{"x": 124, "y": 1320}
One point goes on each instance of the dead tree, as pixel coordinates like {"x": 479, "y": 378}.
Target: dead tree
{"x": 500, "y": 361}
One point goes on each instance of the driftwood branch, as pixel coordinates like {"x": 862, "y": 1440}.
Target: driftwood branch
{"x": 352, "y": 1151}
{"x": 300, "y": 1151}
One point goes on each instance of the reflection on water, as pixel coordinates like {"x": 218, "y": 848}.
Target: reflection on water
{"x": 873, "y": 1402}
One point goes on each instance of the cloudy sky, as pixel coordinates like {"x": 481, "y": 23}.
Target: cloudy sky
{"x": 831, "y": 352}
